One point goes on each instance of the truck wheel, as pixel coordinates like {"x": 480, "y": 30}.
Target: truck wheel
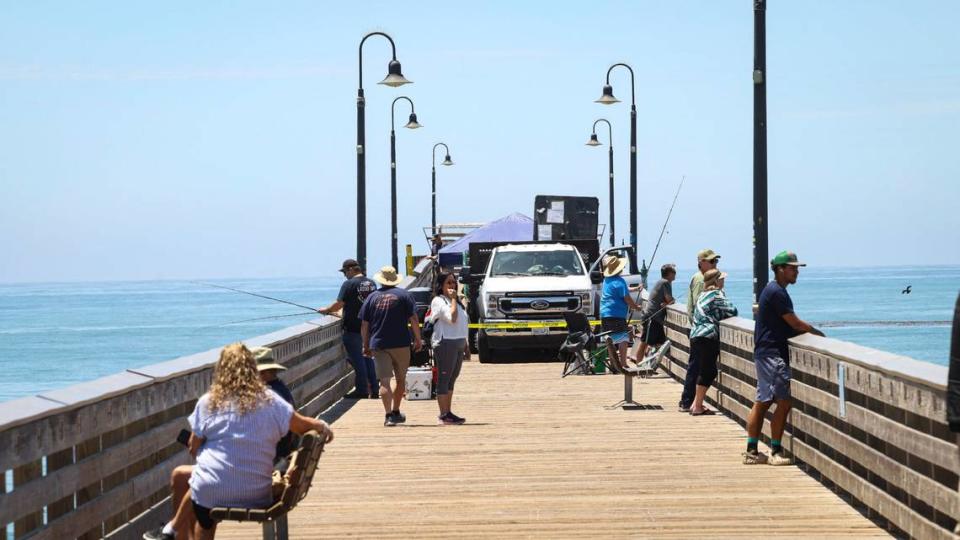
{"x": 472, "y": 340}
{"x": 484, "y": 354}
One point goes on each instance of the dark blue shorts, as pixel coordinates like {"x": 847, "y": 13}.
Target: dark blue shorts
{"x": 773, "y": 378}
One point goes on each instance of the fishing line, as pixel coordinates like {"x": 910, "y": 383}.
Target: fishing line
{"x": 257, "y": 295}
{"x": 268, "y": 318}
{"x": 666, "y": 221}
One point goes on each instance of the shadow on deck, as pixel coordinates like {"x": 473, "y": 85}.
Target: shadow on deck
{"x": 540, "y": 456}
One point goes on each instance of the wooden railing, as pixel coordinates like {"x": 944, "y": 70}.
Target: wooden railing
{"x": 94, "y": 459}
{"x": 869, "y": 424}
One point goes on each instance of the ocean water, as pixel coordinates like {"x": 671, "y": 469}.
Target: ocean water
{"x": 56, "y": 334}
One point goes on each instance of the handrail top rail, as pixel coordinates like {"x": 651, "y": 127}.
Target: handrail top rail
{"x": 23, "y": 410}
{"x": 887, "y": 363}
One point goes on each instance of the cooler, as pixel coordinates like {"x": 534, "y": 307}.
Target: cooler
{"x": 419, "y": 383}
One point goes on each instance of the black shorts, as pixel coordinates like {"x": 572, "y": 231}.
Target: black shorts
{"x": 613, "y": 324}
{"x": 203, "y": 516}
{"x": 653, "y": 333}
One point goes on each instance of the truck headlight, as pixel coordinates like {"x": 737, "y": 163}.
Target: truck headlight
{"x": 493, "y": 304}
{"x": 586, "y": 302}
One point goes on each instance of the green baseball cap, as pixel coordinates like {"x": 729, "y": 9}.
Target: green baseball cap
{"x": 786, "y": 257}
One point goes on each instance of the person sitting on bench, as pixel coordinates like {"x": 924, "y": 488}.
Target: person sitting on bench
{"x": 238, "y": 418}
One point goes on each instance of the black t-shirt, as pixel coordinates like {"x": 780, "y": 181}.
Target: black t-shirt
{"x": 771, "y": 332}
{"x": 352, "y": 293}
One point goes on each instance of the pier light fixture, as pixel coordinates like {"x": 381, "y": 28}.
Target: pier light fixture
{"x": 608, "y": 99}
{"x": 394, "y": 78}
{"x": 433, "y": 184}
{"x": 596, "y": 142}
{"x": 411, "y": 124}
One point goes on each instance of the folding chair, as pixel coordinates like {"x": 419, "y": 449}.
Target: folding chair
{"x": 580, "y": 350}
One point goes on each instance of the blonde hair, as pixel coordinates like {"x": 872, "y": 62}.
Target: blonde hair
{"x": 236, "y": 382}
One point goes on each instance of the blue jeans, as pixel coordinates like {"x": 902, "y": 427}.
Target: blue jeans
{"x": 690, "y": 381}
{"x": 362, "y": 366}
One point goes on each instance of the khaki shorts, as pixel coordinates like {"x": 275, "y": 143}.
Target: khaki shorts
{"x": 392, "y": 363}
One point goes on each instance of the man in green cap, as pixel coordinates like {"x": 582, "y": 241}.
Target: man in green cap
{"x": 775, "y": 324}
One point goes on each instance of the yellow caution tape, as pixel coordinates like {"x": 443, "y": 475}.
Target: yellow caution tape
{"x": 523, "y": 324}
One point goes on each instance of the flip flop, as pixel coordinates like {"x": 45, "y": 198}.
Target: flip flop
{"x": 705, "y": 412}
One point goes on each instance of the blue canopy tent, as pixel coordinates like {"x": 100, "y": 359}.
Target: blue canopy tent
{"x": 513, "y": 228}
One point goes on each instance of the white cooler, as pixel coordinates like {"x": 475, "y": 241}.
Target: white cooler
{"x": 419, "y": 382}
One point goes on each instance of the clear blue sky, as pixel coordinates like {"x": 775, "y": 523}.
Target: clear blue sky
{"x": 216, "y": 139}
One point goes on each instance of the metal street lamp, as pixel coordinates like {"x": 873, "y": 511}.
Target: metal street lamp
{"x": 411, "y": 124}
{"x": 760, "y": 255}
{"x": 608, "y": 99}
{"x": 394, "y": 78}
{"x": 433, "y": 184}
{"x": 594, "y": 142}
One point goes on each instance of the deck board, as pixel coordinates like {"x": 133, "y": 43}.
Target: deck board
{"x": 541, "y": 457}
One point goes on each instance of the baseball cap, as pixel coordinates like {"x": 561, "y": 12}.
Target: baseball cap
{"x": 786, "y": 257}
{"x": 707, "y": 255}
{"x": 349, "y": 263}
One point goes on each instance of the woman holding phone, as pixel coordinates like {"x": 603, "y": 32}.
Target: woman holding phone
{"x": 449, "y": 342}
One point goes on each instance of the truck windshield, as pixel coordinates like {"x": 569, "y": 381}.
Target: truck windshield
{"x": 537, "y": 263}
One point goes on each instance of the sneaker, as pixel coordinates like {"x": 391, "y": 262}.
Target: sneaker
{"x": 157, "y": 534}
{"x": 399, "y": 417}
{"x": 458, "y": 419}
{"x": 355, "y": 395}
{"x": 683, "y": 408}
{"x": 446, "y": 420}
{"x": 779, "y": 459}
{"x": 389, "y": 420}
{"x": 754, "y": 458}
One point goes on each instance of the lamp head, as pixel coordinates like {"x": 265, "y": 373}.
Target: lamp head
{"x": 593, "y": 140}
{"x": 607, "y": 97}
{"x": 447, "y": 161}
{"x": 413, "y": 124}
{"x": 394, "y": 77}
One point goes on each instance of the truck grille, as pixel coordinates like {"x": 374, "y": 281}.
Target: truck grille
{"x": 547, "y": 305}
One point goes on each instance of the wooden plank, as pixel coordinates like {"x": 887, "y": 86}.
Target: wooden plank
{"x": 58, "y": 507}
{"x": 883, "y": 503}
{"x": 329, "y": 396}
{"x": 922, "y": 445}
{"x": 560, "y": 466}
{"x": 30, "y": 521}
{"x": 93, "y": 512}
{"x": 64, "y": 481}
{"x": 911, "y": 396}
{"x": 917, "y": 485}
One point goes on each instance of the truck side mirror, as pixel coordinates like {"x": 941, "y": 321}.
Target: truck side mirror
{"x": 596, "y": 277}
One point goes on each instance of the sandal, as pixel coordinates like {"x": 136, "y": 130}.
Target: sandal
{"x": 705, "y": 412}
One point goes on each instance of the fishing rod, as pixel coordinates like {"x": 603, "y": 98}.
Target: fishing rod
{"x": 270, "y": 317}
{"x": 657, "y": 246}
{"x": 666, "y": 221}
{"x": 257, "y": 295}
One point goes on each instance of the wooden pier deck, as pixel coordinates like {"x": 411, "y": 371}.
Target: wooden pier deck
{"x": 541, "y": 457}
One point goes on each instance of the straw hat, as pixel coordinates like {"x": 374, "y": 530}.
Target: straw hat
{"x": 712, "y": 277}
{"x": 265, "y": 360}
{"x": 388, "y": 276}
{"x": 613, "y": 265}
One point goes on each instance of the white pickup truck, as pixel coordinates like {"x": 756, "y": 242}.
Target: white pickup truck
{"x": 527, "y": 289}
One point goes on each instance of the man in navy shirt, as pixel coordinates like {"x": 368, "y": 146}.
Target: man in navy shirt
{"x": 775, "y": 324}
{"x": 352, "y": 294}
{"x": 387, "y": 317}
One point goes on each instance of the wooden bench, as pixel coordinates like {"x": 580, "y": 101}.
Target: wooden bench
{"x": 296, "y": 485}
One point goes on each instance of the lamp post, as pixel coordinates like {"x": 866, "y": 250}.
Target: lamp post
{"x": 608, "y": 99}
{"x": 394, "y": 78}
{"x": 594, "y": 142}
{"x": 411, "y": 124}
{"x": 760, "y": 254}
{"x": 433, "y": 184}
